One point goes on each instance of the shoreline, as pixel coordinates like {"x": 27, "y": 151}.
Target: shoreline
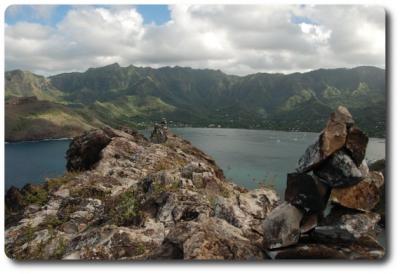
{"x": 37, "y": 141}
{"x": 191, "y": 127}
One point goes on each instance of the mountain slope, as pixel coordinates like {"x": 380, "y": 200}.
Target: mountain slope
{"x": 25, "y": 84}
{"x": 27, "y": 118}
{"x": 137, "y": 96}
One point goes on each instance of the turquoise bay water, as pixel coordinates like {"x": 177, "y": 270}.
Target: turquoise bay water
{"x": 247, "y": 157}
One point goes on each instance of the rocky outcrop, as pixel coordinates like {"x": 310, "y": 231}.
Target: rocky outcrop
{"x": 300, "y": 230}
{"x": 126, "y": 197}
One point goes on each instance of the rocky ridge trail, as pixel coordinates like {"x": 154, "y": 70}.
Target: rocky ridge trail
{"x": 125, "y": 197}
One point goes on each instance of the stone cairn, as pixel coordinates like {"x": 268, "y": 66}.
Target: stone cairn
{"x": 159, "y": 134}
{"x": 333, "y": 168}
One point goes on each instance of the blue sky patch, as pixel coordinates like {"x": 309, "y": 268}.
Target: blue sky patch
{"x": 51, "y": 15}
{"x": 302, "y": 19}
{"x": 158, "y": 14}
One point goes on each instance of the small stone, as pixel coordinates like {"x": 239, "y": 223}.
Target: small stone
{"x": 308, "y": 223}
{"x": 282, "y": 226}
{"x": 340, "y": 170}
{"x": 356, "y": 143}
{"x": 306, "y": 192}
{"x": 363, "y": 196}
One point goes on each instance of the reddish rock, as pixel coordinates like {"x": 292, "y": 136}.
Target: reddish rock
{"x": 363, "y": 196}
{"x": 306, "y": 192}
{"x": 332, "y": 139}
{"x": 335, "y": 133}
{"x": 356, "y": 143}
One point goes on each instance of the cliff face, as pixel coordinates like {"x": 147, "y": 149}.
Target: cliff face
{"x": 125, "y": 197}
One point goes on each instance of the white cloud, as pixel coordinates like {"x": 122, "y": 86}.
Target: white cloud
{"x": 237, "y": 39}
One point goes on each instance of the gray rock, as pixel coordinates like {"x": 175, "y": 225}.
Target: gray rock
{"x": 210, "y": 239}
{"x": 347, "y": 228}
{"x": 282, "y": 227}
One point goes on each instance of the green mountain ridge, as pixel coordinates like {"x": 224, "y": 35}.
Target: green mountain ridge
{"x": 138, "y": 96}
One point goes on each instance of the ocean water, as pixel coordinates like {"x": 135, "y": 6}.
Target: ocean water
{"x": 248, "y": 157}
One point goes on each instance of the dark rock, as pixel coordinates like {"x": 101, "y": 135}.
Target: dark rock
{"x": 331, "y": 251}
{"x": 311, "y": 158}
{"x": 363, "y": 196}
{"x": 356, "y": 143}
{"x": 378, "y": 165}
{"x": 340, "y": 170}
{"x": 282, "y": 226}
{"x": 310, "y": 251}
{"x": 14, "y": 199}
{"x": 306, "y": 192}
{"x": 84, "y": 151}
{"x": 309, "y": 222}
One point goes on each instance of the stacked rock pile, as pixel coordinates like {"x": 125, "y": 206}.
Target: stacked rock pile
{"x": 159, "y": 134}
{"x": 333, "y": 168}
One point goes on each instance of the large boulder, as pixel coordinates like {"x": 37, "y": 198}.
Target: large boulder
{"x": 340, "y": 170}
{"x": 282, "y": 226}
{"x": 84, "y": 151}
{"x": 306, "y": 192}
{"x": 363, "y": 196}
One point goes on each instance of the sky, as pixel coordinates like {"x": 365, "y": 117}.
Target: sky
{"x": 237, "y": 39}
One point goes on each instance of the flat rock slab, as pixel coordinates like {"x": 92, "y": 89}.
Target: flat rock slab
{"x": 282, "y": 226}
{"x": 347, "y": 228}
{"x": 306, "y": 192}
{"x": 363, "y": 196}
{"x": 330, "y": 251}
